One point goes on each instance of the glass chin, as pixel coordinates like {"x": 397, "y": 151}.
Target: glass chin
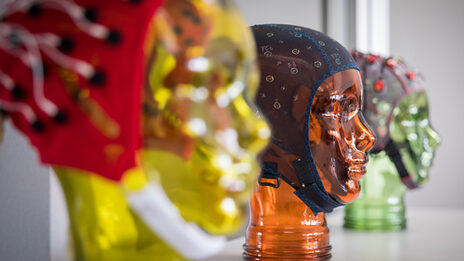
{"x": 356, "y": 172}
{"x": 352, "y": 186}
{"x": 423, "y": 175}
{"x": 351, "y": 190}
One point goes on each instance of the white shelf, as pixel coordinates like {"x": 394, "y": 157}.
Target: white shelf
{"x": 432, "y": 234}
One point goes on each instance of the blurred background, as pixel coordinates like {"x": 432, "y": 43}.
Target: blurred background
{"x": 426, "y": 33}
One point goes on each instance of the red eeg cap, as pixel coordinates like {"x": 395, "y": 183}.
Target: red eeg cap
{"x": 88, "y": 115}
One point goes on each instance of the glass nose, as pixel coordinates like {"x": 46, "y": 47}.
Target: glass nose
{"x": 365, "y": 136}
{"x": 434, "y": 137}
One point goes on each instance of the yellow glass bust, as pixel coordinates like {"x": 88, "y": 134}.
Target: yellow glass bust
{"x": 201, "y": 139}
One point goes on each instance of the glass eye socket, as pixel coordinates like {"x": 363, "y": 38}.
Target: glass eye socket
{"x": 348, "y": 107}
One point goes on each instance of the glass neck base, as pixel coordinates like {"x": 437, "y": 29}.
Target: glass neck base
{"x": 282, "y": 227}
{"x": 287, "y": 244}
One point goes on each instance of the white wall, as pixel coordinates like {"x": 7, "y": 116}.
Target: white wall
{"x": 24, "y": 201}
{"x": 299, "y": 12}
{"x": 429, "y": 35}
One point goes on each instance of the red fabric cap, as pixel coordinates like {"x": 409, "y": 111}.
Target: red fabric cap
{"x": 80, "y": 142}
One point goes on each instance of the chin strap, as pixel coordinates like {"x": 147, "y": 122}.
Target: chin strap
{"x": 310, "y": 192}
{"x": 315, "y": 197}
{"x": 394, "y": 154}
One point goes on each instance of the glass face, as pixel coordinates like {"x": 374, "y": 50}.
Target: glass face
{"x": 412, "y": 132}
{"x": 201, "y": 131}
{"x": 339, "y": 137}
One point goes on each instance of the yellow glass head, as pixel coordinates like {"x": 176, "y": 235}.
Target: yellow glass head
{"x": 202, "y": 134}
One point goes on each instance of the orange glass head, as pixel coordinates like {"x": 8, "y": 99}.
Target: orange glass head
{"x": 311, "y": 93}
{"x": 339, "y": 137}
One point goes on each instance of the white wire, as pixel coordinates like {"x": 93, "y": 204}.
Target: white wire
{"x": 32, "y": 58}
{"x": 9, "y": 48}
{"x": 75, "y": 12}
{"x": 36, "y": 65}
{"x": 77, "y": 15}
{"x": 48, "y": 46}
{"x": 6, "y": 81}
{"x": 13, "y": 6}
{"x": 21, "y": 107}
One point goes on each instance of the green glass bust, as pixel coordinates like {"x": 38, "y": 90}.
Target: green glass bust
{"x": 396, "y": 107}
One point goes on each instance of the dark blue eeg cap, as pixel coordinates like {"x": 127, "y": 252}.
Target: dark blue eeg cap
{"x": 292, "y": 57}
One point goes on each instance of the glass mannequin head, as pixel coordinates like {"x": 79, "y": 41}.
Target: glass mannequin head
{"x": 201, "y": 132}
{"x": 311, "y": 93}
{"x": 412, "y": 132}
{"x": 339, "y": 137}
{"x": 396, "y": 106}
{"x": 281, "y": 227}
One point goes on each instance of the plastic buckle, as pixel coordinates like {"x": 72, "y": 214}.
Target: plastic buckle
{"x": 269, "y": 175}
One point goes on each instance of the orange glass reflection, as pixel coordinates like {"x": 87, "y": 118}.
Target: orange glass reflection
{"x": 188, "y": 32}
{"x": 339, "y": 137}
{"x": 283, "y": 227}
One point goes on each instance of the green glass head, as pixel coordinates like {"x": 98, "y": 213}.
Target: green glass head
{"x": 397, "y": 108}
{"x": 413, "y": 134}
